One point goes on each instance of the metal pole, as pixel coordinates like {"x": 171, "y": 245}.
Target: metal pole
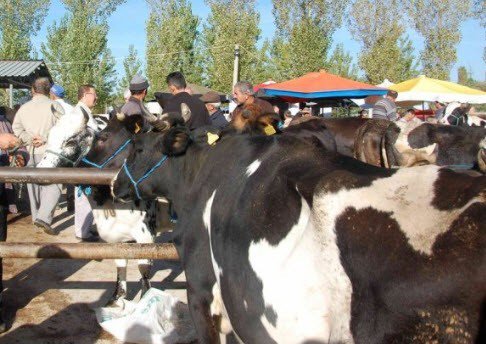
{"x": 89, "y": 176}
{"x": 88, "y": 251}
{"x": 10, "y": 100}
{"x": 236, "y": 64}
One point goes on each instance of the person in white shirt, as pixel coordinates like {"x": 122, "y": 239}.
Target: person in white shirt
{"x": 83, "y": 215}
{"x": 57, "y": 94}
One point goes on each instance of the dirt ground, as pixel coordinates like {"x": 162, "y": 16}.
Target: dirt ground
{"x": 52, "y": 301}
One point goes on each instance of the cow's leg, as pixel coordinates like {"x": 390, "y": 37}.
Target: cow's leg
{"x": 143, "y": 236}
{"x": 121, "y": 282}
{"x": 199, "y": 305}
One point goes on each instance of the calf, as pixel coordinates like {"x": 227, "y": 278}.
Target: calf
{"x": 116, "y": 222}
{"x": 285, "y": 242}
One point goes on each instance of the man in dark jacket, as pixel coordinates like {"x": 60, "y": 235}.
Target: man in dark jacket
{"x": 244, "y": 96}
{"x": 177, "y": 86}
{"x": 212, "y": 101}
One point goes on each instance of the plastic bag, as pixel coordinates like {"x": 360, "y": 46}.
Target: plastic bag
{"x": 157, "y": 318}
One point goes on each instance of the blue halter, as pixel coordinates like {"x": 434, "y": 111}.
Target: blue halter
{"x": 118, "y": 151}
{"x": 145, "y": 176}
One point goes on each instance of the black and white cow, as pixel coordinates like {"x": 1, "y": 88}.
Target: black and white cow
{"x": 69, "y": 141}
{"x": 285, "y": 242}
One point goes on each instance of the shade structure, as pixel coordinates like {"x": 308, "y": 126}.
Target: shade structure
{"x": 321, "y": 85}
{"x": 429, "y": 90}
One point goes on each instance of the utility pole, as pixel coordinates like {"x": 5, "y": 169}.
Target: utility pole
{"x": 236, "y": 66}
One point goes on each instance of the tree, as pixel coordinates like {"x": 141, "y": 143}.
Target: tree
{"x": 462, "y": 75}
{"x": 131, "y": 67}
{"x": 304, "y": 35}
{"x": 231, "y": 22}
{"x": 440, "y": 31}
{"x": 341, "y": 63}
{"x": 171, "y": 34}
{"x": 378, "y": 25}
{"x": 19, "y": 20}
{"x": 76, "y": 49}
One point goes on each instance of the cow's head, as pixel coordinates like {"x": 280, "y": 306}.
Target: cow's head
{"x": 253, "y": 120}
{"x": 69, "y": 140}
{"x": 150, "y": 154}
{"x": 112, "y": 144}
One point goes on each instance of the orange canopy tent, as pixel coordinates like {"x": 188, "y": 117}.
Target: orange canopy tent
{"x": 319, "y": 85}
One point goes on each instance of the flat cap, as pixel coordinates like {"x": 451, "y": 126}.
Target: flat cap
{"x": 211, "y": 97}
{"x": 138, "y": 83}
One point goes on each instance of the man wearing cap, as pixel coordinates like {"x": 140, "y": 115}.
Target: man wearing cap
{"x": 31, "y": 125}
{"x": 57, "y": 94}
{"x": 178, "y": 87}
{"x": 212, "y": 101}
{"x": 138, "y": 89}
{"x": 386, "y": 108}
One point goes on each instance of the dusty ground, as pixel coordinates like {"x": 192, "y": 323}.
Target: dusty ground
{"x": 52, "y": 301}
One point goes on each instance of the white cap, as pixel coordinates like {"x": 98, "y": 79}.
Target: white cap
{"x": 154, "y": 108}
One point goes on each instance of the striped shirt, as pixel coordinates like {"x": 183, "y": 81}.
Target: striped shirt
{"x": 385, "y": 109}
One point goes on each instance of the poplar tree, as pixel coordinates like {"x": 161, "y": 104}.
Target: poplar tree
{"x": 438, "y": 21}
{"x": 171, "y": 35}
{"x": 19, "y": 21}
{"x": 341, "y": 63}
{"x": 76, "y": 49}
{"x": 304, "y": 34}
{"x": 385, "y": 51}
{"x": 231, "y": 22}
{"x": 131, "y": 66}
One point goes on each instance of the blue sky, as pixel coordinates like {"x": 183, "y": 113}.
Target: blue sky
{"x": 127, "y": 26}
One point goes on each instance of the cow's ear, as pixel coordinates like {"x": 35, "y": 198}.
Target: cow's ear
{"x": 133, "y": 123}
{"x": 175, "y": 141}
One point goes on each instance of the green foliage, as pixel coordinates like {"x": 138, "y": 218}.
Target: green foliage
{"x": 76, "y": 49}
{"x": 304, "y": 35}
{"x": 462, "y": 75}
{"x": 341, "y": 63}
{"x": 171, "y": 34}
{"x": 19, "y": 20}
{"x": 131, "y": 66}
{"x": 305, "y": 51}
{"x": 438, "y": 21}
{"x": 231, "y": 22}
{"x": 378, "y": 25}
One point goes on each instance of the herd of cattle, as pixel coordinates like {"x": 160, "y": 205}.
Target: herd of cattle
{"x": 290, "y": 238}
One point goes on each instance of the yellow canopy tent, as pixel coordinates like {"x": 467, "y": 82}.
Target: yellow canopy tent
{"x": 429, "y": 90}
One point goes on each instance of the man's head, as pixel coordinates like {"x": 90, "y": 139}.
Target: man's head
{"x": 392, "y": 95}
{"x": 138, "y": 87}
{"x": 242, "y": 91}
{"x": 87, "y": 95}
{"x": 176, "y": 82}
{"x": 57, "y": 92}
{"x": 439, "y": 105}
{"x": 212, "y": 101}
{"x": 41, "y": 86}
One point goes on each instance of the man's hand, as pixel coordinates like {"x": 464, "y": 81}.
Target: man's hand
{"x": 37, "y": 141}
{"x": 8, "y": 141}
{"x": 19, "y": 160}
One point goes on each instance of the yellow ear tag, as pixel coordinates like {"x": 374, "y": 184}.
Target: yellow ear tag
{"x": 212, "y": 138}
{"x": 137, "y": 128}
{"x": 269, "y": 130}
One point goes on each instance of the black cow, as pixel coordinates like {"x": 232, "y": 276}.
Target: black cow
{"x": 285, "y": 242}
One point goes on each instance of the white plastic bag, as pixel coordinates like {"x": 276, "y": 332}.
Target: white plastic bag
{"x": 157, "y": 318}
